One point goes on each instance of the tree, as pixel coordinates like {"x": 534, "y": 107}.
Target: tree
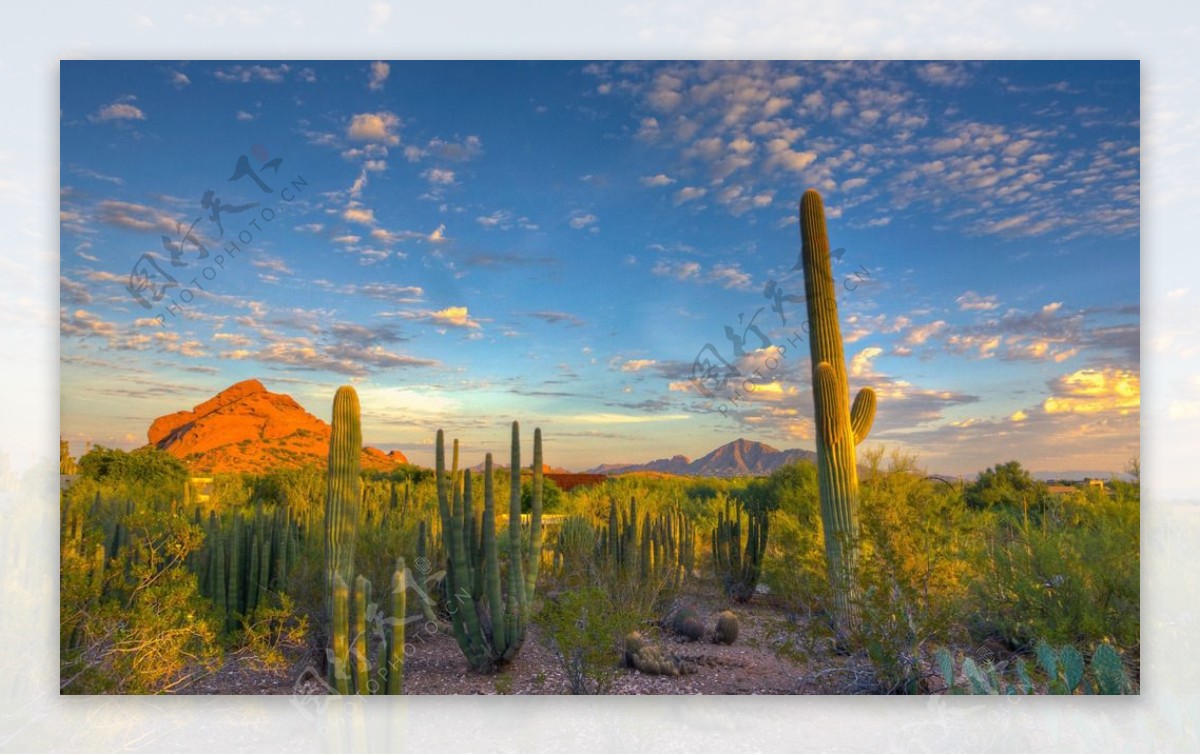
{"x": 1005, "y": 485}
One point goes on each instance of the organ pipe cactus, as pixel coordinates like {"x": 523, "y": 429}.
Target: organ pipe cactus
{"x": 490, "y": 614}
{"x": 840, "y": 425}
{"x": 739, "y": 565}
{"x": 394, "y": 671}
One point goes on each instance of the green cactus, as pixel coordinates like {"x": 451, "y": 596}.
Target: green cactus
{"x": 651, "y": 659}
{"x": 491, "y": 614}
{"x": 686, "y": 623}
{"x": 662, "y": 547}
{"x": 339, "y": 654}
{"x": 740, "y": 566}
{"x": 233, "y": 594}
{"x": 394, "y": 671}
{"x": 362, "y": 596}
{"x": 1065, "y": 670}
{"x": 342, "y": 498}
{"x": 726, "y": 631}
{"x": 840, "y": 426}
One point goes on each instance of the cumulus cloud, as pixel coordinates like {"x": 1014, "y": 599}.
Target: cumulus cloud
{"x": 118, "y": 111}
{"x": 375, "y": 128}
{"x": 439, "y": 176}
{"x": 1090, "y": 391}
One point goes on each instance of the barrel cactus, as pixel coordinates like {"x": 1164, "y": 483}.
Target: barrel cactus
{"x": 726, "y": 631}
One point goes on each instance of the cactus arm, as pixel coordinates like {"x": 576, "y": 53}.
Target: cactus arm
{"x": 830, "y": 404}
{"x": 491, "y": 557}
{"x": 516, "y": 581}
{"x": 534, "y": 560}
{"x": 362, "y": 588}
{"x": 862, "y": 414}
{"x": 395, "y": 637}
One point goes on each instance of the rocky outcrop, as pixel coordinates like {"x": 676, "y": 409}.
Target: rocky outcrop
{"x": 246, "y": 428}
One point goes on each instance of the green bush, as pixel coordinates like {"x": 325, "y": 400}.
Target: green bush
{"x": 585, "y": 629}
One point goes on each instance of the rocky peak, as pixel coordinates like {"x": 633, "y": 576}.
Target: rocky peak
{"x": 248, "y": 428}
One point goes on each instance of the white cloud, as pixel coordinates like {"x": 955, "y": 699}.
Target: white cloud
{"x": 457, "y": 317}
{"x": 689, "y": 193}
{"x": 861, "y": 365}
{"x": 971, "y": 301}
{"x": 376, "y": 128}
{"x": 439, "y": 176}
{"x": 637, "y": 365}
{"x": 360, "y": 215}
{"x": 118, "y": 111}
{"x": 580, "y": 220}
{"x": 379, "y": 74}
{"x": 659, "y": 180}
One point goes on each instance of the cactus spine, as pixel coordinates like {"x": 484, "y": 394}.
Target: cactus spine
{"x": 840, "y": 426}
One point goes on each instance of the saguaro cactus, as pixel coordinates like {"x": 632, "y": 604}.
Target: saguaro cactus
{"x": 840, "y": 426}
{"x": 341, "y": 503}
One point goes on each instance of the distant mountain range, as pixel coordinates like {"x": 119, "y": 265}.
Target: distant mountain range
{"x": 737, "y": 459}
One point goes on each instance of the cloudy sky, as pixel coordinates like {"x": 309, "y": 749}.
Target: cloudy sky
{"x": 561, "y": 243}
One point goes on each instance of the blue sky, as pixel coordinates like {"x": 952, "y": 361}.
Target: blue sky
{"x": 469, "y": 243}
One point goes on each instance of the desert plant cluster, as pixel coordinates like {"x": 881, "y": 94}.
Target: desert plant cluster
{"x": 858, "y": 572}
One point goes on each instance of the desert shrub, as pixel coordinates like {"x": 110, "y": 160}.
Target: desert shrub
{"x": 585, "y": 630}
{"x": 1073, "y": 578}
{"x": 145, "y": 628}
{"x": 274, "y": 629}
{"x": 920, "y": 546}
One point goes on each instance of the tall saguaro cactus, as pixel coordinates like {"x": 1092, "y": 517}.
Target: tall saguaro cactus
{"x": 840, "y": 426}
{"x": 341, "y": 504}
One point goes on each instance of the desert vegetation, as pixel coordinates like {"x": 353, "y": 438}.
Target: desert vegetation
{"x": 856, "y": 574}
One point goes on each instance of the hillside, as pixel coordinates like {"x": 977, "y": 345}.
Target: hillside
{"x": 246, "y": 428}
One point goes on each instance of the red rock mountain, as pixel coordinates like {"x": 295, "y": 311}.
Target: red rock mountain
{"x": 246, "y": 428}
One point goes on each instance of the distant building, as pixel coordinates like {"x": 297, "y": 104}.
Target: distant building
{"x": 201, "y": 489}
{"x": 1061, "y": 489}
{"x": 1094, "y": 482}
